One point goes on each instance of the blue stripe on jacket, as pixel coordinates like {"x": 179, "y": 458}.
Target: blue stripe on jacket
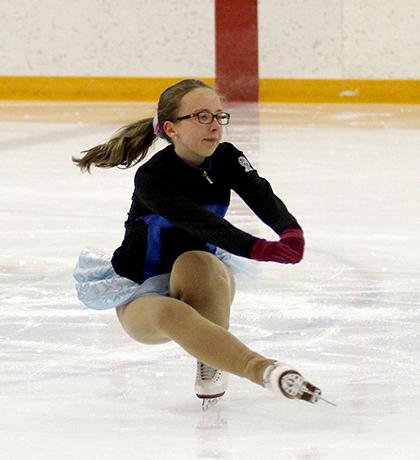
{"x": 155, "y": 223}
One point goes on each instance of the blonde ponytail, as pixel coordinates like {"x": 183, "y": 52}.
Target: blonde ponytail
{"x": 126, "y": 148}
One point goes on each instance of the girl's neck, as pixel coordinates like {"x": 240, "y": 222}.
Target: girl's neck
{"x": 195, "y": 162}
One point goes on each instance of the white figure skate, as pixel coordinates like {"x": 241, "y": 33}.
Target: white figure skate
{"x": 280, "y": 378}
{"x": 210, "y": 384}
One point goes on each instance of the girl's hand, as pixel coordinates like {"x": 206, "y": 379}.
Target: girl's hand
{"x": 289, "y": 250}
{"x": 293, "y": 237}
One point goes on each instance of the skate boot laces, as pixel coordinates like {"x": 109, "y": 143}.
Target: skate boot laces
{"x": 210, "y": 382}
{"x": 207, "y": 373}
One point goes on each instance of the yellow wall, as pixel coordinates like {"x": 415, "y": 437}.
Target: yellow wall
{"x": 149, "y": 89}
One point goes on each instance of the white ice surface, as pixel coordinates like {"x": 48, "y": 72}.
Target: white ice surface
{"x": 74, "y": 386}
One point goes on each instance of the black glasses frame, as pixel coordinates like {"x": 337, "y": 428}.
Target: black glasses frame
{"x": 222, "y": 121}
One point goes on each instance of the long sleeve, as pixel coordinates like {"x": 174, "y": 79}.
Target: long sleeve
{"x": 257, "y": 193}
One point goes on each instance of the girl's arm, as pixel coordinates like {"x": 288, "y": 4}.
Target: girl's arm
{"x": 257, "y": 193}
{"x": 259, "y": 196}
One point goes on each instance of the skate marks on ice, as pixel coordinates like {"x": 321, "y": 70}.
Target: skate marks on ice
{"x": 347, "y": 317}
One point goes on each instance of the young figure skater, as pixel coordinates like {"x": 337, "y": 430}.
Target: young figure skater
{"x": 172, "y": 278}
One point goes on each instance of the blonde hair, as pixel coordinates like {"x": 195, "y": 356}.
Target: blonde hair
{"x": 130, "y": 144}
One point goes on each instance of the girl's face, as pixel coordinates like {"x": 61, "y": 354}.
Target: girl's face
{"x": 195, "y": 141}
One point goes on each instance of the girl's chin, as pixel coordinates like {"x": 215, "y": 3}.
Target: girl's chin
{"x": 210, "y": 146}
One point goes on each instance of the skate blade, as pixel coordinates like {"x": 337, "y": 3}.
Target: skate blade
{"x": 328, "y": 402}
{"x": 312, "y": 394}
{"x": 295, "y": 387}
{"x": 209, "y": 402}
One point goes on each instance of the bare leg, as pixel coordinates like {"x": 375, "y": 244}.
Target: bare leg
{"x": 204, "y": 287}
{"x": 204, "y": 282}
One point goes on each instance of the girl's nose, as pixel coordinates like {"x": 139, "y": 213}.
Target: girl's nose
{"x": 214, "y": 125}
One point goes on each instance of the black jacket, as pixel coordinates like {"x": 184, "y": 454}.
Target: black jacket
{"x": 177, "y": 208}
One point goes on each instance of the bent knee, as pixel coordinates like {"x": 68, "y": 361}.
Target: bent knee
{"x": 199, "y": 263}
{"x": 197, "y": 273}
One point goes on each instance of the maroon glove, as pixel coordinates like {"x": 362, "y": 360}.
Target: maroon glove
{"x": 289, "y": 250}
{"x": 293, "y": 237}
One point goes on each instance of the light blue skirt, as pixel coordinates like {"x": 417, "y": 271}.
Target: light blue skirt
{"x": 100, "y": 288}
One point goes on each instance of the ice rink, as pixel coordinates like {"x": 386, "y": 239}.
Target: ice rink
{"x": 73, "y": 386}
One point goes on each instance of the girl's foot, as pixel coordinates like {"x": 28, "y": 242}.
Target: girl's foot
{"x": 210, "y": 382}
{"x": 280, "y": 378}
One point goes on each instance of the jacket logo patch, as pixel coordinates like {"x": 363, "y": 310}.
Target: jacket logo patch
{"x": 246, "y": 164}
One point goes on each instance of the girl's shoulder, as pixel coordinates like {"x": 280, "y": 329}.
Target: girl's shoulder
{"x": 157, "y": 161}
{"x": 227, "y": 146}
{"x": 227, "y": 154}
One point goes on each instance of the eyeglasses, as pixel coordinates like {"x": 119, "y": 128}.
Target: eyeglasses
{"x": 206, "y": 118}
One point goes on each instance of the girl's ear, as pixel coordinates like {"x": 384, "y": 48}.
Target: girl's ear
{"x": 169, "y": 129}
